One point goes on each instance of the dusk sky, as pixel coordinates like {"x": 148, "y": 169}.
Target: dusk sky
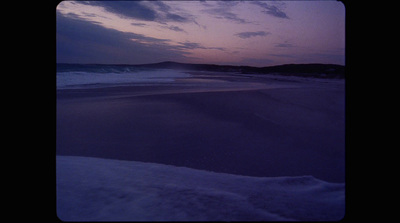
{"x": 253, "y": 33}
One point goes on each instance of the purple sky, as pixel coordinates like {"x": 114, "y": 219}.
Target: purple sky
{"x": 254, "y": 33}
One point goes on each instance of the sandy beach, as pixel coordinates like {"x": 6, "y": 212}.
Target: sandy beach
{"x": 243, "y": 125}
{"x": 201, "y": 111}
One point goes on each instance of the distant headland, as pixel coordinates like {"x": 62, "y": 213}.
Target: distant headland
{"x": 305, "y": 70}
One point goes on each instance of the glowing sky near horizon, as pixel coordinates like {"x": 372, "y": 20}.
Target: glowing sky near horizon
{"x": 254, "y": 33}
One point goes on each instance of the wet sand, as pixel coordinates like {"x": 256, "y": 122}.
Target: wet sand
{"x": 251, "y": 130}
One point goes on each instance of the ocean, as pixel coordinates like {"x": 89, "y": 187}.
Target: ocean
{"x": 73, "y": 76}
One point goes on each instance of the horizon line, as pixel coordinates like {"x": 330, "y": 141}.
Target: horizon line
{"x": 123, "y": 64}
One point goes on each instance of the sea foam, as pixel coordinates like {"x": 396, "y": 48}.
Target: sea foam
{"x": 85, "y": 79}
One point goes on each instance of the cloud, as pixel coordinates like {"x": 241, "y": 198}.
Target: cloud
{"x": 192, "y": 45}
{"x": 229, "y": 16}
{"x": 167, "y": 14}
{"x": 145, "y": 11}
{"x": 171, "y": 17}
{"x": 175, "y": 28}
{"x": 223, "y": 11}
{"x": 245, "y": 35}
{"x": 126, "y": 9}
{"x": 271, "y": 10}
{"x": 138, "y": 24}
{"x": 285, "y": 44}
{"x": 80, "y": 41}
